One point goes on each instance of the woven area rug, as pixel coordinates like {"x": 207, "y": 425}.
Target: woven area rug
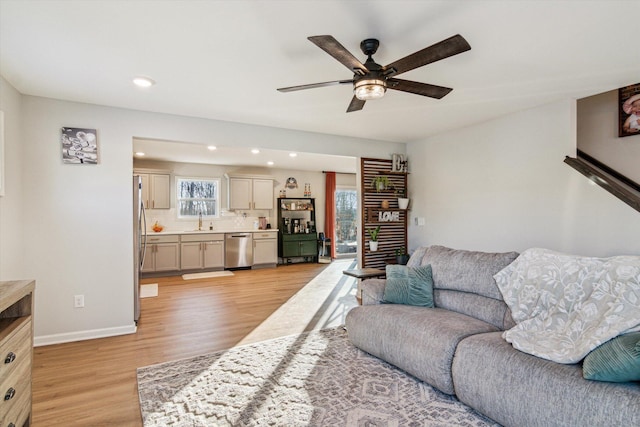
{"x": 312, "y": 379}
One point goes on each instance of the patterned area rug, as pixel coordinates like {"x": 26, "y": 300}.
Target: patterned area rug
{"x": 312, "y": 379}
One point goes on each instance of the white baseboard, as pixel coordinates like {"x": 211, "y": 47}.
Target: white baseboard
{"x": 84, "y": 335}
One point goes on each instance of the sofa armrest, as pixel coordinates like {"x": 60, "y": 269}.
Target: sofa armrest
{"x": 372, "y": 291}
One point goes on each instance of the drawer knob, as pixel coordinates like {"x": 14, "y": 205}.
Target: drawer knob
{"x": 10, "y": 393}
{"x": 11, "y": 425}
{"x": 10, "y": 357}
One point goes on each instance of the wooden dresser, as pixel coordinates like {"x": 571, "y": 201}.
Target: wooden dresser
{"x": 16, "y": 352}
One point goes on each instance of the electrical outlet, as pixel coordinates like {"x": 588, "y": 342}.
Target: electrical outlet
{"x": 78, "y": 301}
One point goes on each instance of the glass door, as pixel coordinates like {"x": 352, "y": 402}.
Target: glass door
{"x": 345, "y": 240}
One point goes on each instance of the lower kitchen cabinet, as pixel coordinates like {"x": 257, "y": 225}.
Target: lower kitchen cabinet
{"x": 299, "y": 245}
{"x": 162, "y": 254}
{"x": 202, "y": 251}
{"x": 265, "y": 248}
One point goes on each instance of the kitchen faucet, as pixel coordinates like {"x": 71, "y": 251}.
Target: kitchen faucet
{"x": 200, "y": 221}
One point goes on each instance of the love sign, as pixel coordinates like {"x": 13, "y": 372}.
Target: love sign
{"x": 387, "y": 216}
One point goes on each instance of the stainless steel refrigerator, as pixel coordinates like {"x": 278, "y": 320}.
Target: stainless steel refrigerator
{"x": 139, "y": 242}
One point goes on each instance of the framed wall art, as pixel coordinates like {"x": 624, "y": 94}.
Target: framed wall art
{"x": 79, "y": 146}
{"x": 629, "y": 110}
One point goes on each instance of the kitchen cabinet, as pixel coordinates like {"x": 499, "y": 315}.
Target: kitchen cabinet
{"x": 297, "y": 224}
{"x": 156, "y": 190}
{"x": 202, "y": 251}
{"x": 299, "y": 245}
{"x": 246, "y": 193}
{"x": 16, "y": 348}
{"x": 265, "y": 248}
{"x": 162, "y": 253}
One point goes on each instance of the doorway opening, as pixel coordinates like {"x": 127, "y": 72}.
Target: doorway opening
{"x": 346, "y": 241}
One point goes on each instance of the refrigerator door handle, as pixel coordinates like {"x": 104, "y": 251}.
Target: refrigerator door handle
{"x": 143, "y": 249}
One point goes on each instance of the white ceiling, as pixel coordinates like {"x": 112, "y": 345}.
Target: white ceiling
{"x": 224, "y": 60}
{"x": 172, "y": 151}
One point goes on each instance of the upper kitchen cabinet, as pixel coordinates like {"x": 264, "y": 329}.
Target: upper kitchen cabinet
{"x": 156, "y": 189}
{"x": 250, "y": 192}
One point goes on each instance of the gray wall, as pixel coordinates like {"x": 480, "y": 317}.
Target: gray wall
{"x": 69, "y": 227}
{"x": 502, "y": 185}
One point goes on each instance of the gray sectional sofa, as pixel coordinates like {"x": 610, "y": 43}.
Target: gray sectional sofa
{"x": 457, "y": 348}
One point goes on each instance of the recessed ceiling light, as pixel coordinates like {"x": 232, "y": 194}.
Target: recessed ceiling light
{"x": 142, "y": 81}
{"x": 270, "y": 163}
{"x": 293, "y": 154}
{"x": 212, "y": 147}
{"x": 139, "y": 153}
{"x": 255, "y": 151}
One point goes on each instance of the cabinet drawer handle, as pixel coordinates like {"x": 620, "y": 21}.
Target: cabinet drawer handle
{"x": 11, "y": 425}
{"x": 10, "y": 357}
{"x": 10, "y": 393}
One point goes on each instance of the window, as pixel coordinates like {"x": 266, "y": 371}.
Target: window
{"x": 197, "y": 196}
{"x": 346, "y": 222}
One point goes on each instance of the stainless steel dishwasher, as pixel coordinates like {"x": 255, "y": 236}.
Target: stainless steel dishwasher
{"x": 238, "y": 250}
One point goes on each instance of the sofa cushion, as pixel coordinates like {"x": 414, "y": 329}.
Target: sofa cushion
{"x": 486, "y": 309}
{"x": 415, "y": 260}
{"x": 407, "y": 285}
{"x": 419, "y": 340}
{"x": 617, "y": 360}
{"x": 518, "y": 389}
{"x": 372, "y": 291}
{"x": 467, "y": 271}
{"x": 463, "y": 282}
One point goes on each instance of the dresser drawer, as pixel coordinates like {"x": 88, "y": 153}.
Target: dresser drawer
{"x": 18, "y": 386}
{"x": 15, "y": 346}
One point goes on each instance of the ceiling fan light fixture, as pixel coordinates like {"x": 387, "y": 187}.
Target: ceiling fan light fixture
{"x": 368, "y": 89}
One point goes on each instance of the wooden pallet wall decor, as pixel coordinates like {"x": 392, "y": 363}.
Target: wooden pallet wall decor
{"x": 380, "y": 208}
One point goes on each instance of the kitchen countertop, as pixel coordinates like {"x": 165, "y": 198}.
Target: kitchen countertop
{"x": 169, "y": 232}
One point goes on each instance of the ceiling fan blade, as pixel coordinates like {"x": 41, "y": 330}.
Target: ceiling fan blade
{"x": 424, "y": 89}
{"x": 444, "y": 49}
{"x": 339, "y": 52}
{"x": 314, "y": 85}
{"x": 355, "y": 105}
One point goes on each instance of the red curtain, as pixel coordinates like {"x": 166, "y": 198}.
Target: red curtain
{"x": 330, "y": 210}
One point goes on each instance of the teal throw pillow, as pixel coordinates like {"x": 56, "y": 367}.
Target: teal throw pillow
{"x": 408, "y": 285}
{"x": 617, "y": 360}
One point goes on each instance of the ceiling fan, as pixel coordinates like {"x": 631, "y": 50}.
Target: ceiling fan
{"x": 371, "y": 80}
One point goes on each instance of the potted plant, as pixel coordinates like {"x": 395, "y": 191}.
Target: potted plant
{"x": 381, "y": 183}
{"x": 403, "y": 200}
{"x": 402, "y": 257}
{"x": 373, "y": 233}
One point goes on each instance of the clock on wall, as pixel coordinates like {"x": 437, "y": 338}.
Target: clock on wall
{"x": 291, "y": 183}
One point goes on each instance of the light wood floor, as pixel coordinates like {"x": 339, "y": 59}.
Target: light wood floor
{"x": 93, "y": 383}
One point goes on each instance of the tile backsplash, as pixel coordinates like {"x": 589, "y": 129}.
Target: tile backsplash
{"x": 228, "y": 221}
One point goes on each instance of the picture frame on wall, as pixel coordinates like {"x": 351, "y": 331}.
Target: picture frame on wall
{"x": 79, "y": 146}
{"x": 629, "y": 110}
